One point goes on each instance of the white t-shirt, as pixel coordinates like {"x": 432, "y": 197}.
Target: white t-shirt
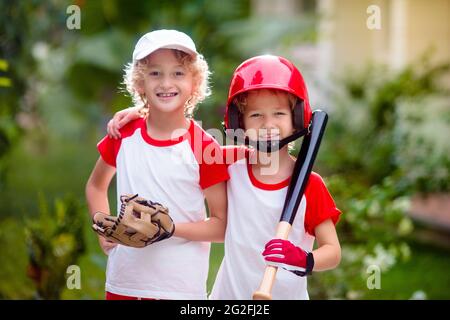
{"x": 254, "y": 210}
{"x": 174, "y": 173}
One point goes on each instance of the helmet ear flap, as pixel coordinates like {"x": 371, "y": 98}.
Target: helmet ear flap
{"x": 234, "y": 119}
{"x": 298, "y": 115}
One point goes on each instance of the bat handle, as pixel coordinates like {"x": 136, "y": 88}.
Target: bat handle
{"x": 265, "y": 288}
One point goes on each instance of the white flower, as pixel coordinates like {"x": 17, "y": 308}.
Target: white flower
{"x": 405, "y": 226}
{"x": 382, "y": 258}
{"x": 402, "y": 204}
{"x": 374, "y": 209}
{"x": 418, "y": 295}
{"x": 40, "y": 50}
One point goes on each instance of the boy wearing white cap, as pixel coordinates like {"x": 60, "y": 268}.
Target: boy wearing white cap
{"x": 167, "y": 157}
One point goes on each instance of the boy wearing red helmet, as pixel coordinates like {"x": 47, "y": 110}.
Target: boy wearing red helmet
{"x": 268, "y": 101}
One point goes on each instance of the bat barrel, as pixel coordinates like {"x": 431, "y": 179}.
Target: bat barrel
{"x": 303, "y": 166}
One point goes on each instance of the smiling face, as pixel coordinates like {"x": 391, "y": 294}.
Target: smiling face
{"x": 167, "y": 84}
{"x": 267, "y": 115}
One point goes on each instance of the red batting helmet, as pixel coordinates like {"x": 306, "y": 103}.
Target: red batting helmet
{"x": 269, "y": 72}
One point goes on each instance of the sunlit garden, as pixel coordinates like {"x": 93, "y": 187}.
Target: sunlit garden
{"x": 385, "y": 150}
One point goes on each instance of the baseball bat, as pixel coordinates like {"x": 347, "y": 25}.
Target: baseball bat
{"x": 299, "y": 179}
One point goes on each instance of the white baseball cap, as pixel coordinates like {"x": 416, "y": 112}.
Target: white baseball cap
{"x": 170, "y": 39}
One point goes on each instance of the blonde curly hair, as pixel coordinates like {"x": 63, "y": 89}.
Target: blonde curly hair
{"x": 134, "y": 76}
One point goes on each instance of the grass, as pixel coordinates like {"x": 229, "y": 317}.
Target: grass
{"x": 214, "y": 263}
{"x": 426, "y": 271}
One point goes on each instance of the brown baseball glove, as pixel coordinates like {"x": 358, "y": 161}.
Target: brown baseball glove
{"x": 140, "y": 223}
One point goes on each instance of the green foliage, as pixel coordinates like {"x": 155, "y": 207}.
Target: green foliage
{"x": 100, "y": 52}
{"x": 92, "y": 268}
{"x": 14, "y": 284}
{"x": 424, "y": 273}
{"x": 423, "y": 152}
{"x": 9, "y": 130}
{"x": 386, "y": 140}
{"x": 374, "y": 127}
{"x": 21, "y": 24}
{"x": 373, "y": 230}
{"x": 375, "y": 216}
{"x": 55, "y": 241}
{"x": 260, "y": 35}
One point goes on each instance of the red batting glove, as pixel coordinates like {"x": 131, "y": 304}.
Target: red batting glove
{"x": 282, "y": 253}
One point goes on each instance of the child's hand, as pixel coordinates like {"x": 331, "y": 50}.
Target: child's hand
{"x": 120, "y": 119}
{"x": 282, "y": 253}
{"x": 106, "y": 245}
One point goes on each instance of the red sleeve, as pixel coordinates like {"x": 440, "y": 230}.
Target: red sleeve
{"x": 209, "y": 157}
{"x": 108, "y": 149}
{"x": 320, "y": 205}
{"x": 212, "y": 167}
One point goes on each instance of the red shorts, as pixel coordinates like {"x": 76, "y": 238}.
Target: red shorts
{"x": 113, "y": 296}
